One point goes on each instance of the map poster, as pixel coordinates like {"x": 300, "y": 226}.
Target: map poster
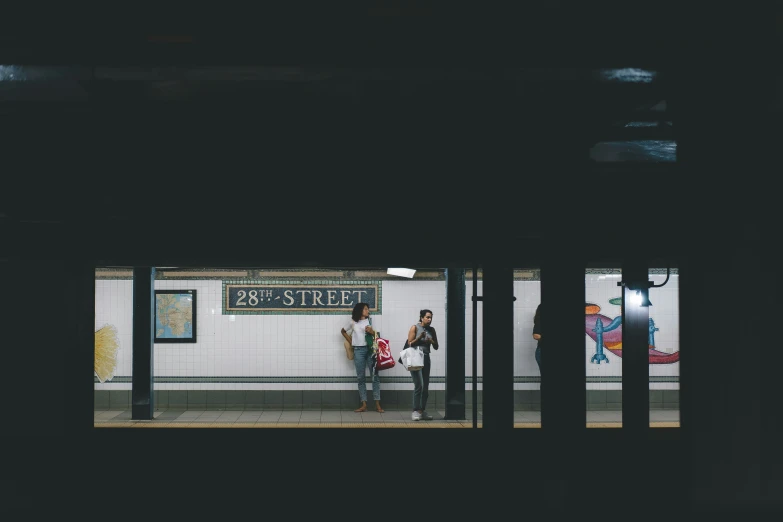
{"x": 175, "y": 316}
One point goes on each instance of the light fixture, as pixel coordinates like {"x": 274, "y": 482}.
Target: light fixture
{"x": 644, "y": 292}
{"x": 642, "y": 297}
{"x": 401, "y": 272}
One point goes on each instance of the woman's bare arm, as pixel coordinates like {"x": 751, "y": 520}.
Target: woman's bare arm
{"x": 412, "y": 335}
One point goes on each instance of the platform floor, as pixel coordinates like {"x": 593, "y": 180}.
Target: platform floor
{"x": 169, "y": 418}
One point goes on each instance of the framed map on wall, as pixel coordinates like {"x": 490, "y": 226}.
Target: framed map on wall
{"x": 175, "y": 316}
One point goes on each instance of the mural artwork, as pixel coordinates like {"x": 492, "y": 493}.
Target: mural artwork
{"x": 608, "y": 333}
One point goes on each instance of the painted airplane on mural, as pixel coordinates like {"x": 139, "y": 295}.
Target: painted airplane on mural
{"x": 608, "y": 333}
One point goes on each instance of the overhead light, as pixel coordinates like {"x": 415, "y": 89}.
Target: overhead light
{"x": 401, "y": 272}
{"x": 641, "y": 298}
{"x": 641, "y": 295}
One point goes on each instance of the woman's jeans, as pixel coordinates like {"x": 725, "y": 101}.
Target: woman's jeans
{"x": 538, "y": 357}
{"x": 362, "y": 359}
{"x": 421, "y": 385}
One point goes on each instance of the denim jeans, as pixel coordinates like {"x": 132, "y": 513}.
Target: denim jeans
{"x": 421, "y": 385}
{"x": 362, "y": 360}
{"x": 538, "y": 357}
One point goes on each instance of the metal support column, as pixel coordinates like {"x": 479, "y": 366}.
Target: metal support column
{"x": 635, "y": 362}
{"x": 455, "y": 338}
{"x": 143, "y": 403}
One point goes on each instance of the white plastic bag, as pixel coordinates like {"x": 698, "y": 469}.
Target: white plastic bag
{"x": 412, "y": 358}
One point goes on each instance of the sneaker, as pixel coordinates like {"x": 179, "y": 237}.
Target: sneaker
{"x": 425, "y": 416}
{"x": 415, "y": 416}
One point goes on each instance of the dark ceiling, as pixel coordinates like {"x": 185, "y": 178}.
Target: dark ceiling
{"x": 610, "y": 104}
{"x": 275, "y": 116}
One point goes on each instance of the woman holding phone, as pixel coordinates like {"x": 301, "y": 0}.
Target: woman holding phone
{"x": 422, "y": 334}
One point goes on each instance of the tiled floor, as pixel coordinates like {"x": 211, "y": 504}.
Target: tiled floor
{"x": 344, "y": 419}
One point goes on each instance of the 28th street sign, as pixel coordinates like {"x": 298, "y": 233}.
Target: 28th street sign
{"x": 263, "y": 298}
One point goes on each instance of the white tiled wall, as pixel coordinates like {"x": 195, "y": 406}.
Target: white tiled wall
{"x": 269, "y": 345}
{"x": 311, "y": 345}
{"x": 114, "y": 305}
{"x": 665, "y": 311}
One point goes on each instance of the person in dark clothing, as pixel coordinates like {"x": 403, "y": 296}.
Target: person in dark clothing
{"x": 537, "y": 335}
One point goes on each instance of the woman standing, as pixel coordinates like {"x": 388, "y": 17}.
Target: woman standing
{"x": 423, "y": 335}
{"x": 360, "y": 325}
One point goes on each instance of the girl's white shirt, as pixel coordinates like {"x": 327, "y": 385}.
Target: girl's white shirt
{"x": 356, "y": 331}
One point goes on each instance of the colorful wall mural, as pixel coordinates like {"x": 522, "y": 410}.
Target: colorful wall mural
{"x": 608, "y": 334}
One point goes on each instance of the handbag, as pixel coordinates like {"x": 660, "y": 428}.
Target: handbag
{"x": 384, "y": 359}
{"x": 348, "y": 346}
{"x": 348, "y": 349}
{"x": 412, "y": 358}
{"x": 404, "y": 346}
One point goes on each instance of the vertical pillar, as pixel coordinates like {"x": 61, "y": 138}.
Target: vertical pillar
{"x": 143, "y": 404}
{"x": 563, "y": 394}
{"x": 81, "y": 279}
{"x": 455, "y": 340}
{"x": 498, "y": 337}
{"x": 635, "y": 361}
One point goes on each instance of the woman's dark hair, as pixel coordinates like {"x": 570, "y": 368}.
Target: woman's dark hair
{"x": 356, "y": 315}
{"x": 424, "y": 312}
{"x": 537, "y": 317}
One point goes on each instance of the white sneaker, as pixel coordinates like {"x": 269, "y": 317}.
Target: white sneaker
{"x": 425, "y": 416}
{"x": 415, "y": 415}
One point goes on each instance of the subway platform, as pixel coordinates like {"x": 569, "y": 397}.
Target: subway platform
{"x": 174, "y": 418}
